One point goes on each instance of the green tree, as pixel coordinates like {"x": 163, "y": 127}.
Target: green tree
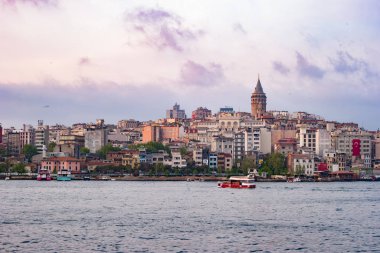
{"x": 29, "y": 151}
{"x": 84, "y": 150}
{"x": 233, "y": 172}
{"x": 19, "y": 168}
{"x": 247, "y": 163}
{"x": 105, "y": 149}
{"x": 274, "y": 164}
{"x": 151, "y": 147}
{"x": 3, "y": 168}
{"x": 183, "y": 151}
{"x": 159, "y": 167}
{"x": 3, "y": 151}
{"x": 51, "y": 146}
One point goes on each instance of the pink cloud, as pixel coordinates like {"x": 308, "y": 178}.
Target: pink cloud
{"x": 280, "y": 67}
{"x": 237, "y": 27}
{"x": 84, "y": 61}
{"x": 198, "y": 75}
{"x": 160, "y": 29}
{"x": 152, "y": 15}
{"x": 305, "y": 68}
{"x": 36, "y": 3}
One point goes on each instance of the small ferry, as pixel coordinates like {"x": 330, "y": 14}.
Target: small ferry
{"x": 241, "y": 182}
{"x": 64, "y": 175}
{"x": 44, "y": 175}
{"x": 293, "y": 179}
{"x": 86, "y": 177}
{"x": 104, "y": 178}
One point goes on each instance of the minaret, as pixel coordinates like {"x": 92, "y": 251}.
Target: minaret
{"x": 258, "y": 101}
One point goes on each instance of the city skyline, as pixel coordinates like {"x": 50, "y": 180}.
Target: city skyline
{"x": 68, "y": 61}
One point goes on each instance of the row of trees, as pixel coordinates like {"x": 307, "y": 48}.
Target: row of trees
{"x": 273, "y": 164}
{"x": 17, "y": 168}
{"x": 28, "y": 151}
{"x": 151, "y": 147}
{"x": 158, "y": 170}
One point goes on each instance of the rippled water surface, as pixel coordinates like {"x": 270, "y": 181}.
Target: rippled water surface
{"x": 89, "y": 216}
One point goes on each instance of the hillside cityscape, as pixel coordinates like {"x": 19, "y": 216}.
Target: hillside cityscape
{"x": 270, "y": 143}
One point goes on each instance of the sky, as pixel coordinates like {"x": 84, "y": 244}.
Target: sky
{"x": 76, "y": 61}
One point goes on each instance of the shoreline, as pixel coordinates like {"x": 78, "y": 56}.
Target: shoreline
{"x": 179, "y": 178}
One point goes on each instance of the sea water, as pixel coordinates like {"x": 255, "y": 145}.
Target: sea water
{"x": 114, "y": 216}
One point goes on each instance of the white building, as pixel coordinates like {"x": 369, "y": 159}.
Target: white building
{"x": 322, "y": 140}
{"x": 41, "y": 136}
{"x": 307, "y": 138}
{"x": 301, "y": 164}
{"x": 342, "y": 141}
{"x": 265, "y": 140}
{"x": 27, "y": 135}
{"x": 221, "y": 144}
{"x": 177, "y": 160}
{"x": 198, "y": 156}
{"x": 95, "y": 139}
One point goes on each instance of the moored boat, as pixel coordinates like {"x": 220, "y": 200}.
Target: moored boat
{"x": 44, "y": 175}
{"x": 293, "y": 179}
{"x": 86, "y": 178}
{"x": 240, "y": 182}
{"x": 64, "y": 175}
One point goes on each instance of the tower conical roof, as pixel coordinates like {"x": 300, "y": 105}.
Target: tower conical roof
{"x": 259, "y": 88}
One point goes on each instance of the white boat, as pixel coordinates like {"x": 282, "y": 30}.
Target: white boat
{"x": 64, "y": 175}
{"x": 293, "y": 179}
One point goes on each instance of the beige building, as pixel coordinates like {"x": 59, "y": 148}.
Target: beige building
{"x": 286, "y": 146}
{"x": 221, "y": 144}
{"x": 342, "y": 142}
{"x": 336, "y": 161}
{"x": 127, "y": 124}
{"x": 278, "y": 134}
{"x": 131, "y": 158}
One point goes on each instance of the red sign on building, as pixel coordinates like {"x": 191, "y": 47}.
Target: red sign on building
{"x": 322, "y": 167}
{"x": 355, "y": 147}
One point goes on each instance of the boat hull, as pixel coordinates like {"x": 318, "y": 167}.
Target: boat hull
{"x": 236, "y": 186}
{"x": 43, "y": 179}
{"x": 61, "y": 178}
{"x": 44, "y": 175}
{"x": 238, "y": 182}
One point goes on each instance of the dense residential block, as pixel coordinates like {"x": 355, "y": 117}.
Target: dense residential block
{"x": 222, "y": 141}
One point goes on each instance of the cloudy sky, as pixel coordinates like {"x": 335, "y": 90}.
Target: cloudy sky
{"x": 68, "y": 61}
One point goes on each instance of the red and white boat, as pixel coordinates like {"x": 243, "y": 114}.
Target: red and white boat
{"x": 44, "y": 175}
{"x": 241, "y": 182}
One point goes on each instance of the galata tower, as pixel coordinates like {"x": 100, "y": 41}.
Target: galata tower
{"x": 258, "y": 101}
